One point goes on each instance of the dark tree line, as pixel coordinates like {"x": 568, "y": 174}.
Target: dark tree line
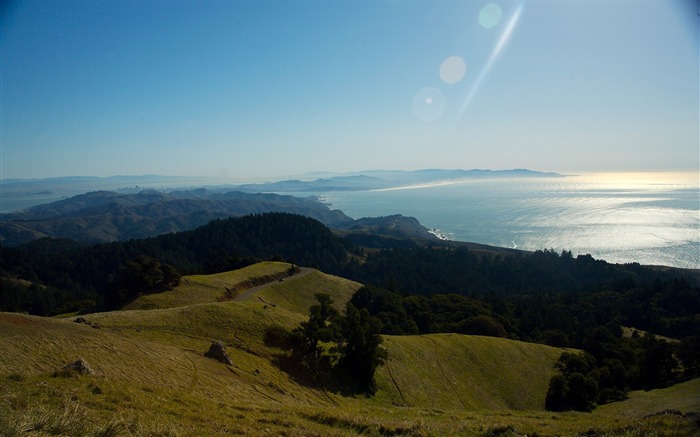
{"x": 610, "y": 367}
{"x": 545, "y": 297}
{"x": 580, "y": 303}
{"x": 79, "y": 276}
{"x": 539, "y": 283}
{"x": 141, "y": 275}
{"x": 542, "y": 296}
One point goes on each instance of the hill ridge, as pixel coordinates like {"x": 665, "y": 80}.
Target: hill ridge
{"x": 153, "y": 360}
{"x": 106, "y": 216}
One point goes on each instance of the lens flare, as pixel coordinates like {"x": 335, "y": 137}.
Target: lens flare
{"x": 490, "y": 15}
{"x": 495, "y": 53}
{"x": 429, "y": 104}
{"x": 452, "y": 70}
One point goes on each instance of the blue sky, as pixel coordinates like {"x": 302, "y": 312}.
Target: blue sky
{"x": 250, "y": 90}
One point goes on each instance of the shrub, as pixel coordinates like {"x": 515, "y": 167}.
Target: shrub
{"x": 574, "y": 388}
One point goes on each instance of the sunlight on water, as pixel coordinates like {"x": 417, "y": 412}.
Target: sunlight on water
{"x": 650, "y": 218}
{"x": 637, "y": 181}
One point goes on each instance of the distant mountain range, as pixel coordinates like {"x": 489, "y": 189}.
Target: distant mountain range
{"x": 127, "y": 207}
{"x": 364, "y": 180}
{"x": 386, "y": 179}
{"x": 105, "y": 216}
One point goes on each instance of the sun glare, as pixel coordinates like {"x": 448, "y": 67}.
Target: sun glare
{"x": 495, "y": 53}
{"x": 650, "y": 180}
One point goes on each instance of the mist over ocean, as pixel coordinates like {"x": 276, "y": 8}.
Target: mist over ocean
{"x": 650, "y": 218}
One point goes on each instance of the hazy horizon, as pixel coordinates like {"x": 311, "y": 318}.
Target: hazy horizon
{"x": 628, "y": 175}
{"x": 248, "y": 91}
{"x": 651, "y": 218}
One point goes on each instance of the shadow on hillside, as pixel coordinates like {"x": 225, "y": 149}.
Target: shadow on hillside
{"x": 320, "y": 375}
{"x": 325, "y": 380}
{"x": 297, "y": 370}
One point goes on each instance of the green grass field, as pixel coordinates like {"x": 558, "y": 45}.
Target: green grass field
{"x": 206, "y": 288}
{"x": 151, "y": 376}
{"x": 460, "y": 372}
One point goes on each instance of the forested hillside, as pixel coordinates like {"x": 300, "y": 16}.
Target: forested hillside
{"x": 49, "y": 276}
{"x": 545, "y": 297}
{"x": 106, "y": 216}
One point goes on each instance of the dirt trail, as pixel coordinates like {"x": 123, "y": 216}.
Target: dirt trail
{"x": 403, "y": 399}
{"x": 444, "y": 375}
{"x": 303, "y": 271}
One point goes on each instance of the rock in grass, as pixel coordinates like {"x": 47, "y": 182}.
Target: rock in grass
{"x": 80, "y": 366}
{"x": 217, "y": 351}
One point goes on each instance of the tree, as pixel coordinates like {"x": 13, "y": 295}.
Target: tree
{"x": 557, "y": 393}
{"x": 355, "y": 352}
{"x": 482, "y": 325}
{"x": 575, "y": 388}
{"x": 658, "y": 364}
{"x": 141, "y": 275}
{"x": 360, "y": 351}
{"x": 387, "y": 307}
{"x": 689, "y": 354}
{"x": 171, "y": 277}
{"x": 322, "y": 326}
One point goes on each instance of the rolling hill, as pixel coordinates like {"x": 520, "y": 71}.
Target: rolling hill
{"x": 151, "y": 376}
{"x": 386, "y": 179}
{"x": 105, "y": 216}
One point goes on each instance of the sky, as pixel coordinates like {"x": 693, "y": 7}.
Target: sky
{"x": 251, "y": 90}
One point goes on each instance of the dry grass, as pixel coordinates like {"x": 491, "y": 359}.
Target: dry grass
{"x": 457, "y": 372}
{"x": 298, "y": 294}
{"x": 58, "y": 406}
{"x": 151, "y": 377}
{"x": 683, "y": 397}
{"x": 206, "y": 288}
{"x": 73, "y": 406}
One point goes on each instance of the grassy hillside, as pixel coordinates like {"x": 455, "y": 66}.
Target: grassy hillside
{"x": 684, "y": 397}
{"x": 459, "y": 372}
{"x": 298, "y": 294}
{"x": 151, "y": 377}
{"x": 208, "y": 288}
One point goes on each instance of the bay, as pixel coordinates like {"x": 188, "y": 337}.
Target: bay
{"x": 649, "y": 218}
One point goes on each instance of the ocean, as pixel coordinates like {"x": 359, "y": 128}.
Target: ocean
{"x": 649, "y": 218}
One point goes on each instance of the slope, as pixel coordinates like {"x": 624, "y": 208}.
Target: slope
{"x": 461, "y": 372}
{"x": 178, "y": 326}
{"x": 683, "y": 398}
{"x": 196, "y": 289}
{"x": 105, "y": 216}
{"x": 151, "y": 376}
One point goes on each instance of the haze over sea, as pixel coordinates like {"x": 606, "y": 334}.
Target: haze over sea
{"x": 649, "y": 218}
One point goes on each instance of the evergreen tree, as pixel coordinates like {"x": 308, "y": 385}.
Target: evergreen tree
{"x": 575, "y": 388}
{"x": 322, "y": 326}
{"x": 356, "y": 352}
{"x": 141, "y": 275}
{"x": 360, "y": 351}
